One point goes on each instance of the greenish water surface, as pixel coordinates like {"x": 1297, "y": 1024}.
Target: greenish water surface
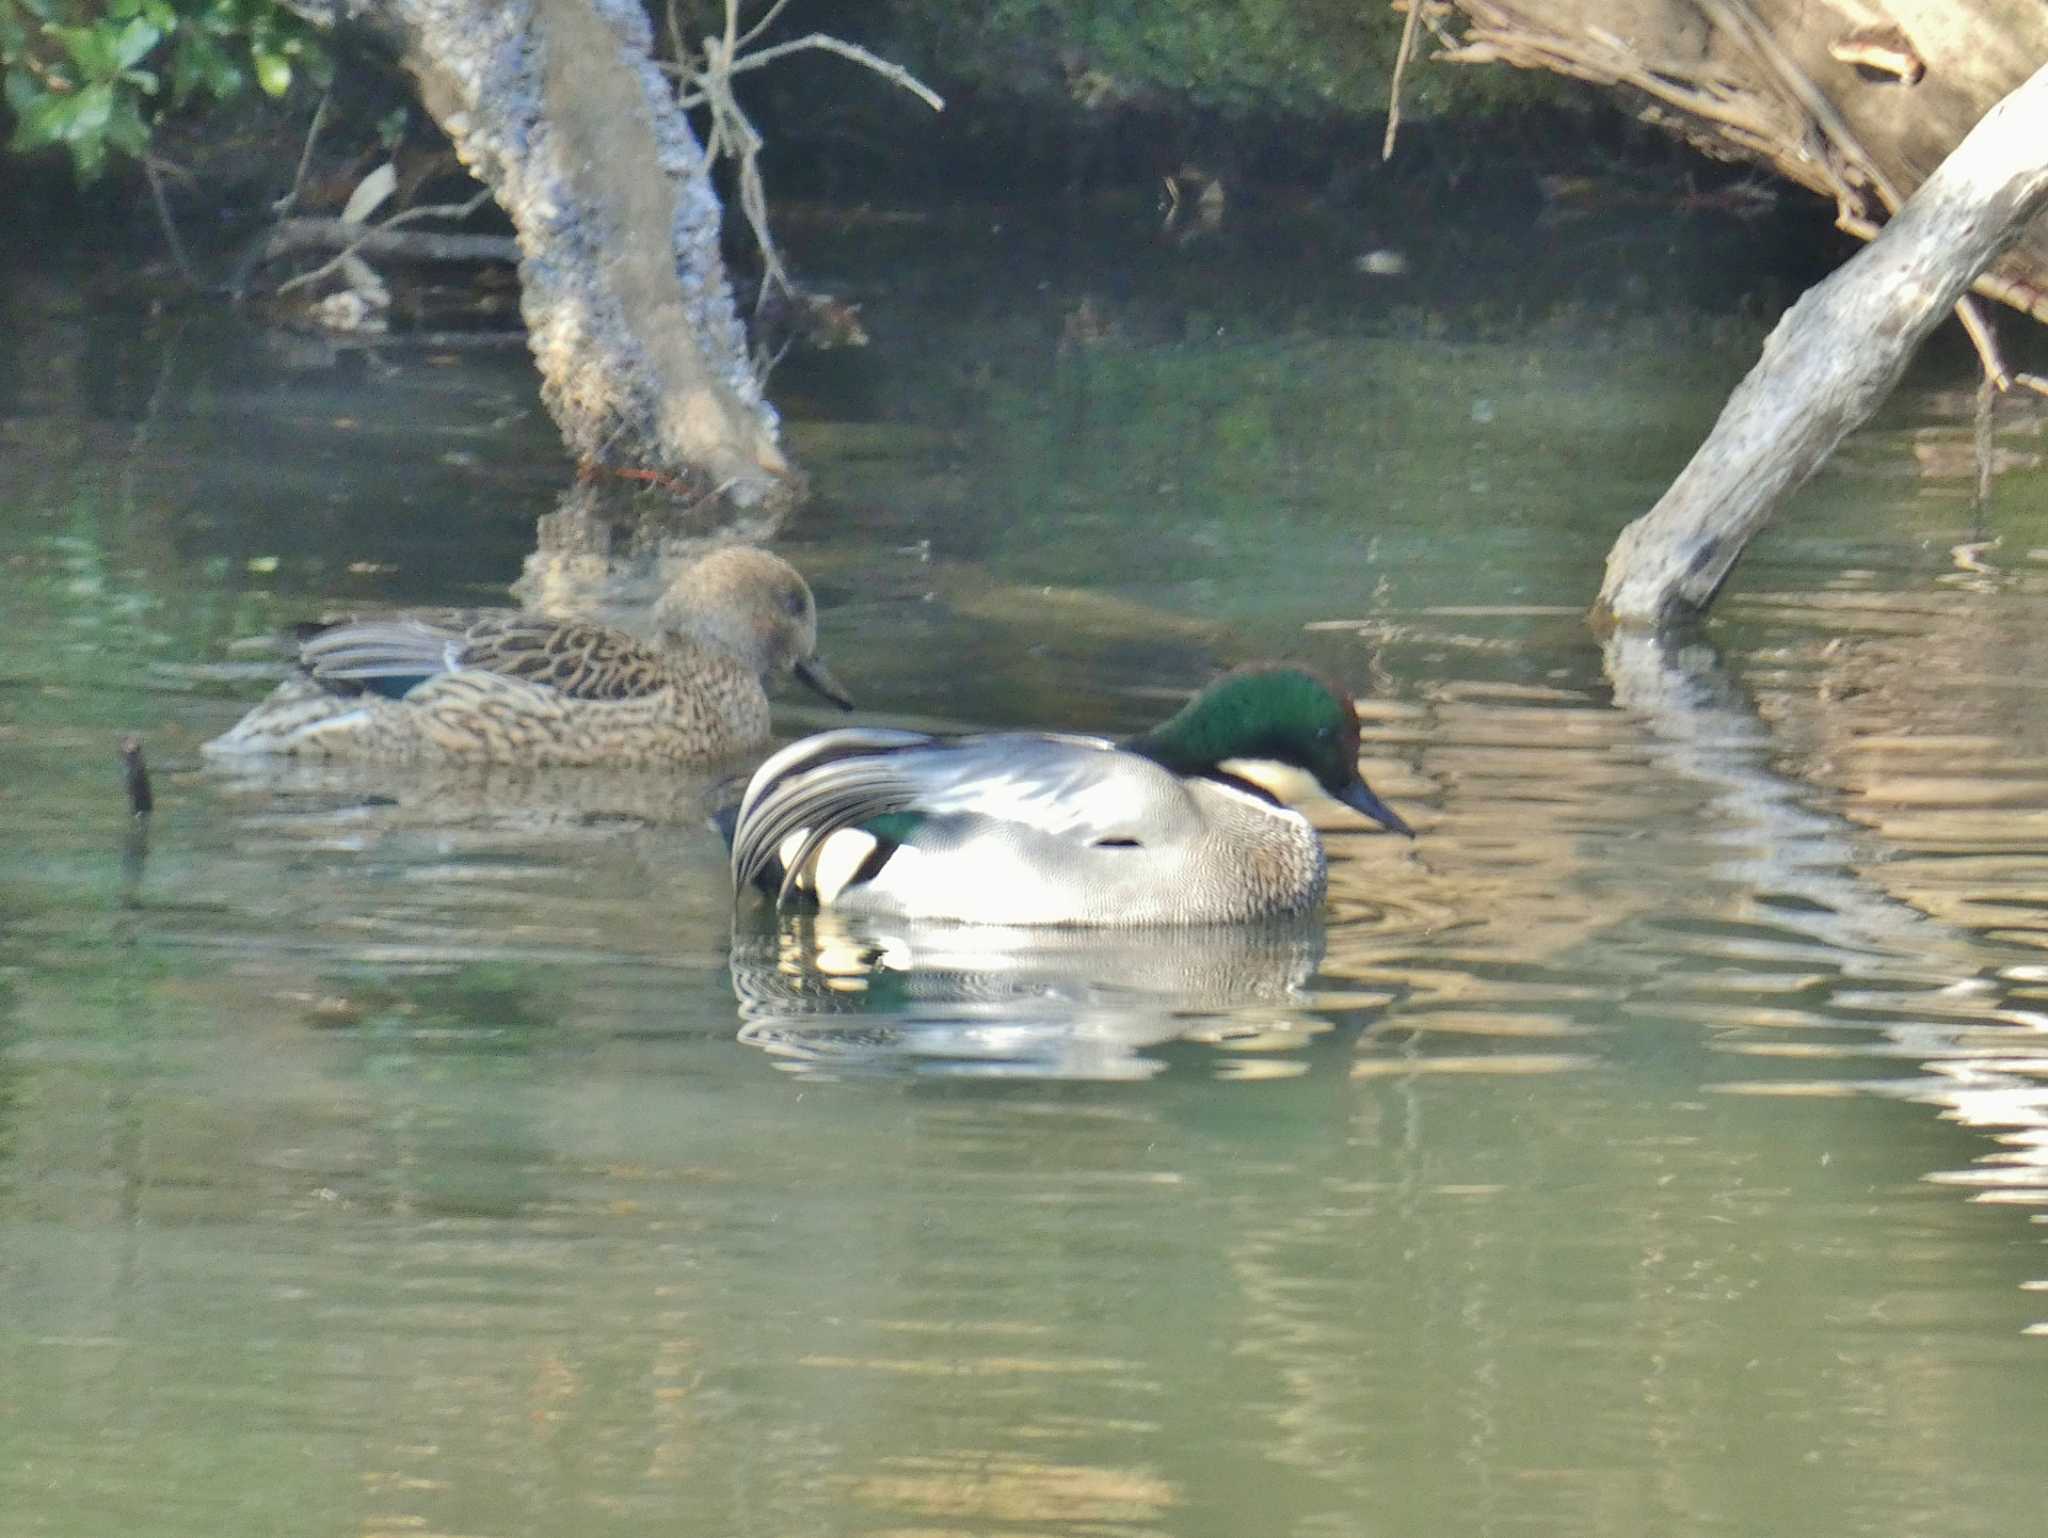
{"x": 1655, "y": 1145}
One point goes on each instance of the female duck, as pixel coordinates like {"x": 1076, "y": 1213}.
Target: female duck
{"x": 503, "y": 686}
{"x": 1017, "y": 828}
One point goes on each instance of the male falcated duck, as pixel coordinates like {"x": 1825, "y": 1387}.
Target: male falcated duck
{"x": 505, "y": 686}
{"x": 1021, "y": 828}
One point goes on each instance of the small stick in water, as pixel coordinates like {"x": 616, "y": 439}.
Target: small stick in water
{"x": 141, "y": 799}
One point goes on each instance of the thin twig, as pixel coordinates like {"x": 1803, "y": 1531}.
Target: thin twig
{"x": 1737, "y": 19}
{"x": 894, "y": 73}
{"x": 1979, "y": 331}
{"x": 438, "y": 211}
{"x": 284, "y": 205}
{"x": 767, "y": 21}
{"x": 163, "y": 214}
{"x": 372, "y": 234}
{"x": 1400, "y": 69}
{"x": 732, "y": 135}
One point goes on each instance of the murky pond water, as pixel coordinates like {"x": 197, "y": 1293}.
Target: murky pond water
{"x": 1653, "y": 1146}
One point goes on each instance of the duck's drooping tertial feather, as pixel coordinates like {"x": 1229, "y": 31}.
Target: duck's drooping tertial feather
{"x": 1021, "y": 828}
{"x": 504, "y": 686}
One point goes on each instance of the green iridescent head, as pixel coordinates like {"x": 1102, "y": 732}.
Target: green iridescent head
{"x": 1271, "y": 710}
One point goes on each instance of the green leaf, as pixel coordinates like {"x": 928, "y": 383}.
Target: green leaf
{"x": 93, "y": 107}
{"x": 126, "y": 131}
{"x": 23, "y": 91}
{"x": 198, "y": 63}
{"x": 78, "y": 121}
{"x": 89, "y": 157}
{"x": 42, "y": 121}
{"x": 135, "y": 42}
{"x": 273, "y": 73}
{"x": 90, "y": 48}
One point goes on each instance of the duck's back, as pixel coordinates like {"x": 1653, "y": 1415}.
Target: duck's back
{"x": 1024, "y": 829}
{"x": 1248, "y": 860}
{"x": 691, "y": 705}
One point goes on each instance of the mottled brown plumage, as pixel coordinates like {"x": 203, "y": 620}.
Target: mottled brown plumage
{"x": 505, "y": 686}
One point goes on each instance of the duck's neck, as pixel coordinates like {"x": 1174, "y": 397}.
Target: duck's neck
{"x": 685, "y": 650}
{"x": 1261, "y": 710}
{"x": 1194, "y": 740}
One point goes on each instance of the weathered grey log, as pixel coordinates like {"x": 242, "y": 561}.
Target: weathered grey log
{"x": 557, "y": 107}
{"x": 1830, "y": 362}
{"x": 290, "y": 235}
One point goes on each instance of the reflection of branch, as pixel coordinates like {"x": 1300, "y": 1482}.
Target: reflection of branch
{"x": 1703, "y": 728}
{"x": 1975, "y": 1040}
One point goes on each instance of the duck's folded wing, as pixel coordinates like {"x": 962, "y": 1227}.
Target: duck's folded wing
{"x": 1072, "y": 788}
{"x": 584, "y": 661}
{"x": 818, "y": 786}
{"x": 390, "y": 655}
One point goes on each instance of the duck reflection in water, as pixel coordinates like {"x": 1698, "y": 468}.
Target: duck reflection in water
{"x": 827, "y": 992}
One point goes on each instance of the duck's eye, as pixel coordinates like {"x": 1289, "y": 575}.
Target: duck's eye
{"x": 794, "y": 603}
{"x": 1117, "y": 843}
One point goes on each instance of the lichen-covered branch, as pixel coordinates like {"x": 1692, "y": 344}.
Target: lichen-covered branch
{"x": 558, "y": 107}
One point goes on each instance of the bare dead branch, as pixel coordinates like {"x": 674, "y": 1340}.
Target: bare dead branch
{"x": 170, "y": 225}
{"x": 731, "y": 133}
{"x": 1979, "y": 332}
{"x": 386, "y": 240}
{"x": 290, "y": 200}
{"x": 895, "y": 74}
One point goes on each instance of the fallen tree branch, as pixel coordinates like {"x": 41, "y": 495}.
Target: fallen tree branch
{"x": 1830, "y": 362}
{"x": 350, "y": 239}
{"x": 1761, "y": 82}
{"x": 387, "y": 230}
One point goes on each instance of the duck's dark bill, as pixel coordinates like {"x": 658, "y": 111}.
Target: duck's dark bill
{"x": 818, "y": 677}
{"x": 1359, "y": 797}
